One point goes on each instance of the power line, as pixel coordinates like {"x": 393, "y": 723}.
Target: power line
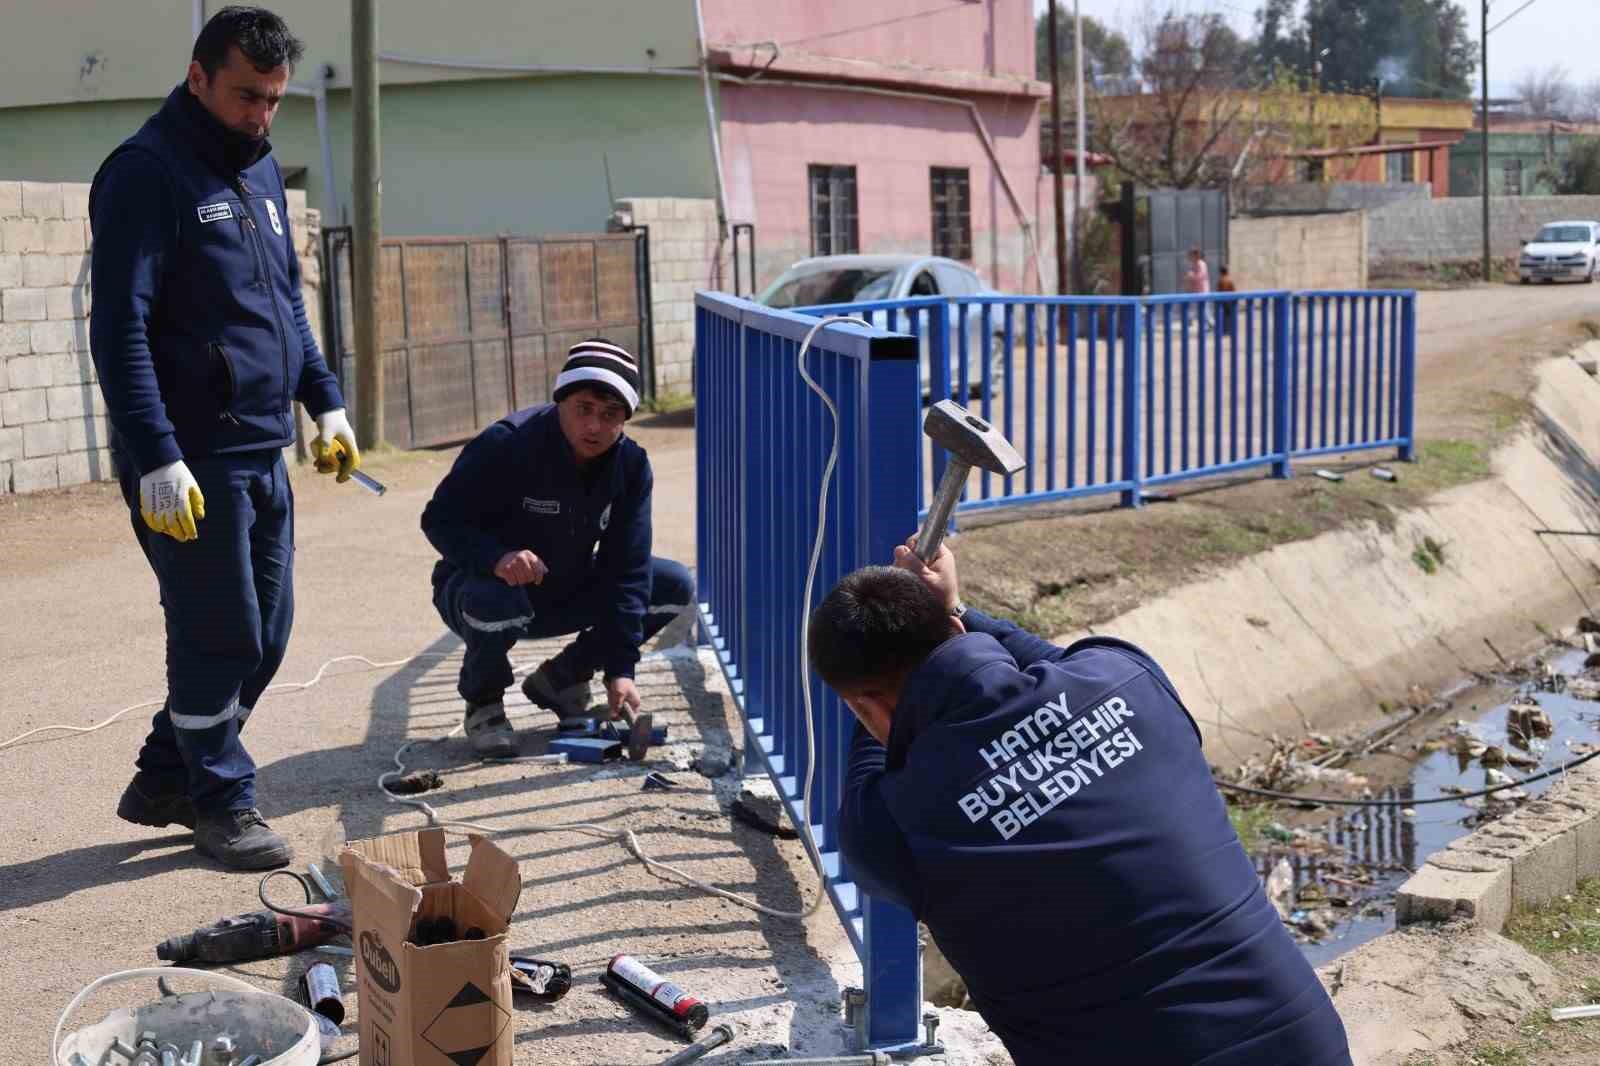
{"x": 1511, "y": 16}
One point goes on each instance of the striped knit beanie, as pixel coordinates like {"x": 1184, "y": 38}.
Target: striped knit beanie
{"x": 599, "y": 362}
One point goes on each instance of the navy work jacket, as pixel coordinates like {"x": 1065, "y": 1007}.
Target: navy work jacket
{"x": 197, "y": 327}
{"x": 517, "y": 486}
{"x": 1047, "y": 812}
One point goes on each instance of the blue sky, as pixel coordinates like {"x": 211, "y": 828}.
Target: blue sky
{"x": 1564, "y": 32}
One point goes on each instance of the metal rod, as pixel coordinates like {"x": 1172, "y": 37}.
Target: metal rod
{"x": 1483, "y": 138}
{"x": 722, "y": 1034}
{"x": 1055, "y": 149}
{"x": 367, "y": 192}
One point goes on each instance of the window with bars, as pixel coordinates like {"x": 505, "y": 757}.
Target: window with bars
{"x": 1511, "y": 171}
{"x": 1400, "y": 166}
{"x": 834, "y": 226}
{"x": 952, "y": 212}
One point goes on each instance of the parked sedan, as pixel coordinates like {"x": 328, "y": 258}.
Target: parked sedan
{"x": 853, "y": 279}
{"x": 1562, "y": 251}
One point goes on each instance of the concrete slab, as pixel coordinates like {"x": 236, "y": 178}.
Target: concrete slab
{"x": 1438, "y": 894}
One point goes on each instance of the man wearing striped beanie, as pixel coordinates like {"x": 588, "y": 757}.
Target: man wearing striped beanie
{"x": 543, "y": 525}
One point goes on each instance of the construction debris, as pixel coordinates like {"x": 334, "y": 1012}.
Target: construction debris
{"x": 1527, "y": 719}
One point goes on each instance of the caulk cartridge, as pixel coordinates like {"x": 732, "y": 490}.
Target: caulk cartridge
{"x": 649, "y": 993}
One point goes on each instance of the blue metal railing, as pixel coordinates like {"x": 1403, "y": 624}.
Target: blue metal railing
{"x": 762, "y": 439}
{"x": 1120, "y": 394}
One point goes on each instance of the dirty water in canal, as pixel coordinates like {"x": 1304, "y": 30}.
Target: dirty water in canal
{"x": 1333, "y": 871}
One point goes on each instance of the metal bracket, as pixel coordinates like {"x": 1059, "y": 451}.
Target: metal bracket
{"x": 855, "y": 1019}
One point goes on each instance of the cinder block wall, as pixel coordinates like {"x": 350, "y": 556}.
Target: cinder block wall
{"x": 683, "y": 260}
{"x": 1442, "y": 231}
{"x": 53, "y": 430}
{"x": 1299, "y": 252}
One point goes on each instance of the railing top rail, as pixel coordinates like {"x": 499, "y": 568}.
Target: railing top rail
{"x": 842, "y": 338}
{"x": 1321, "y": 293}
{"x": 1211, "y": 297}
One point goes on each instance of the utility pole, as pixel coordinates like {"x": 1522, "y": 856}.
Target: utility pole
{"x": 1055, "y": 150}
{"x": 1483, "y": 141}
{"x": 1078, "y": 174}
{"x": 367, "y": 179}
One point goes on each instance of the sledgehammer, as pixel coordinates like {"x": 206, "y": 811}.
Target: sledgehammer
{"x": 971, "y": 442}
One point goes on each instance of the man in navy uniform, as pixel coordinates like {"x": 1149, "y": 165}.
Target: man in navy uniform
{"x": 543, "y": 525}
{"x": 1047, "y": 812}
{"x": 201, "y": 342}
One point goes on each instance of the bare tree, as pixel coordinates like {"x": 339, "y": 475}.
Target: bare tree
{"x": 1175, "y": 134}
{"x": 1586, "y": 102}
{"x": 1545, "y": 93}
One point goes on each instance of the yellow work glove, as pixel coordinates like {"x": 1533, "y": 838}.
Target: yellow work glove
{"x": 334, "y": 447}
{"x": 171, "y": 501}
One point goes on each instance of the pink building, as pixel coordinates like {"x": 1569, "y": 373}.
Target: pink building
{"x": 892, "y": 126}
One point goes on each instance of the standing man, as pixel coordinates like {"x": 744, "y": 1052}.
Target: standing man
{"x": 201, "y": 342}
{"x": 544, "y": 528}
{"x": 1197, "y": 279}
{"x": 1048, "y": 813}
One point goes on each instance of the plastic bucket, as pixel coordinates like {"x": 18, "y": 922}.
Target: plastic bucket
{"x": 282, "y": 1032}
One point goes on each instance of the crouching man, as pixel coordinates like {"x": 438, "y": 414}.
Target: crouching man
{"x": 544, "y": 528}
{"x": 1047, "y": 812}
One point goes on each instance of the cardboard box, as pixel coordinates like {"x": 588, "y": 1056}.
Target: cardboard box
{"x": 446, "y": 1004}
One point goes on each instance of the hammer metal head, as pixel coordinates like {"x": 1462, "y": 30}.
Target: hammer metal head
{"x": 970, "y": 439}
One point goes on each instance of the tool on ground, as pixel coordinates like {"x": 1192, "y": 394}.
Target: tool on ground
{"x": 605, "y": 729}
{"x": 371, "y": 484}
{"x": 542, "y": 978}
{"x": 320, "y": 987}
{"x": 1329, "y": 475}
{"x": 656, "y": 781}
{"x": 1562, "y": 1014}
{"x": 719, "y": 1035}
{"x": 971, "y": 442}
{"x": 641, "y": 726}
{"x": 587, "y": 749}
{"x": 324, "y": 886}
{"x": 259, "y": 935}
{"x": 653, "y": 995}
{"x": 1383, "y": 473}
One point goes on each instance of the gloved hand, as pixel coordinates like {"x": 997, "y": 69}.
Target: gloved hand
{"x": 171, "y": 501}
{"x": 334, "y": 447}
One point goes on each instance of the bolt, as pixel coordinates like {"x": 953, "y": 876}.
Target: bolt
{"x": 123, "y": 1049}
{"x": 196, "y": 1049}
{"x": 169, "y": 1055}
{"x": 930, "y": 1027}
{"x": 147, "y": 1037}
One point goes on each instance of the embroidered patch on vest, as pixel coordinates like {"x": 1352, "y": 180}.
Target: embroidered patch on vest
{"x": 215, "y": 212}
{"x": 272, "y": 217}
{"x": 541, "y": 506}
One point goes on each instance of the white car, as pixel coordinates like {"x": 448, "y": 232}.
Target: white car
{"x": 854, "y": 279}
{"x": 1568, "y": 251}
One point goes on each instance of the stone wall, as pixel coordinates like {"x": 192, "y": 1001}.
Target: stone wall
{"x": 1299, "y": 251}
{"x": 1315, "y": 196}
{"x": 683, "y": 260}
{"x": 1441, "y": 231}
{"x": 53, "y": 429}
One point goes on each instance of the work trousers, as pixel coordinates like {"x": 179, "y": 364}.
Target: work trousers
{"x": 491, "y": 616}
{"x": 228, "y": 597}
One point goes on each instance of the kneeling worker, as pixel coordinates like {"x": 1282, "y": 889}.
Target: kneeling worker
{"x": 1048, "y": 814}
{"x": 544, "y": 526}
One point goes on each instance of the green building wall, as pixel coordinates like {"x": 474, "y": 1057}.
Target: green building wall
{"x": 1541, "y": 154}
{"x": 514, "y": 155}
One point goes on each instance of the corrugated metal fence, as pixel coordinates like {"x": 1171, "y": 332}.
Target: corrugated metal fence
{"x": 477, "y": 327}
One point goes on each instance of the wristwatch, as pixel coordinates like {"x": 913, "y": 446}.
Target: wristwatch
{"x": 959, "y": 610}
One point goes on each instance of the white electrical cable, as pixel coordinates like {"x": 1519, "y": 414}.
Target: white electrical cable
{"x": 285, "y": 686}
{"x": 626, "y": 837}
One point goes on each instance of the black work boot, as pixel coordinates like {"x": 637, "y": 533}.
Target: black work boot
{"x": 240, "y": 839}
{"x": 544, "y": 688}
{"x": 142, "y": 804}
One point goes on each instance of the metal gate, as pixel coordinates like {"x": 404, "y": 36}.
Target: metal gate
{"x": 1175, "y": 220}
{"x": 477, "y": 327}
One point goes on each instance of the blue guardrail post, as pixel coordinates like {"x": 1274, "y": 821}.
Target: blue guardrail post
{"x": 1408, "y": 378}
{"x": 892, "y": 961}
{"x": 1133, "y": 365}
{"x": 1283, "y": 357}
